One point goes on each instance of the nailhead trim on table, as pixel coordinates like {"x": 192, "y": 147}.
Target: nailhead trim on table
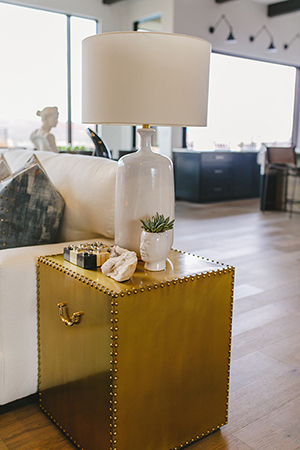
{"x": 114, "y": 338}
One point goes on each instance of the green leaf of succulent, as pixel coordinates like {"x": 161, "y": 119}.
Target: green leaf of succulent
{"x": 157, "y": 224}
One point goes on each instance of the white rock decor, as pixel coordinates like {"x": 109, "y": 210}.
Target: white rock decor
{"x": 120, "y": 265}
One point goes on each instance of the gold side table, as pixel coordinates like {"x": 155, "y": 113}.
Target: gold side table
{"x": 144, "y": 365}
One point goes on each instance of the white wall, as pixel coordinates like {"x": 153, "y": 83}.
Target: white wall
{"x": 194, "y": 17}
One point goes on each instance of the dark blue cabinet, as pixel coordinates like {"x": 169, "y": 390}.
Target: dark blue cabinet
{"x": 213, "y": 176}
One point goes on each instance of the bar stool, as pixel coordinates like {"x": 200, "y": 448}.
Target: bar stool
{"x": 282, "y": 159}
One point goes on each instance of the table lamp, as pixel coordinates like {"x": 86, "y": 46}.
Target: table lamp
{"x": 144, "y": 78}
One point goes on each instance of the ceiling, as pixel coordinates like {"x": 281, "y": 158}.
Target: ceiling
{"x": 275, "y": 7}
{"x": 266, "y": 2}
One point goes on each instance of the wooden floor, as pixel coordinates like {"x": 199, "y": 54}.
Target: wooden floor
{"x": 264, "y": 410}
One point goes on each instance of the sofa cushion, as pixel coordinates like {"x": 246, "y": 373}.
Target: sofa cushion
{"x": 4, "y": 168}
{"x": 87, "y": 185}
{"x": 31, "y": 209}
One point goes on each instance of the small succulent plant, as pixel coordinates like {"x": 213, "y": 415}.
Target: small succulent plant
{"x": 157, "y": 224}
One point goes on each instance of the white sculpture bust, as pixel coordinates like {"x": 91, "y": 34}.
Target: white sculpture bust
{"x": 154, "y": 249}
{"x": 42, "y": 138}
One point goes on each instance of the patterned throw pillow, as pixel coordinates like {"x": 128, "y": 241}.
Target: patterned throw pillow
{"x": 4, "y": 168}
{"x": 31, "y": 209}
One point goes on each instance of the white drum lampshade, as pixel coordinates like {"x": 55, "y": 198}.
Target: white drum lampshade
{"x": 141, "y": 78}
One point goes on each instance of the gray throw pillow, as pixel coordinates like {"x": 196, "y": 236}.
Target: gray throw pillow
{"x": 4, "y": 168}
{"x": 31, "y": 209}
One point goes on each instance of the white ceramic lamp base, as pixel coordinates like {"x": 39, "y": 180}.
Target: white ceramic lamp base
{"x": 144, "y": 186}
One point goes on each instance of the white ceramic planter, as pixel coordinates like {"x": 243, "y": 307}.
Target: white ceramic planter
{"x": 154, "y": 249}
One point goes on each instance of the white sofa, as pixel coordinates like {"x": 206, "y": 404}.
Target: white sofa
{"x": 87, "y": 185}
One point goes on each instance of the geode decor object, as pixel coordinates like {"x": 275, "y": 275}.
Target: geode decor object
{"x": 120, "y": 265}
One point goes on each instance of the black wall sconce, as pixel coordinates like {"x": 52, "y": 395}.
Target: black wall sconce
{"x": 230, "y": 39}
{"x": 271, "y": 48}
{"x": 297, "y": 36}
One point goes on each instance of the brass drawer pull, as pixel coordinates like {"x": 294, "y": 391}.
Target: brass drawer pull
{"x": 70, "y": 321}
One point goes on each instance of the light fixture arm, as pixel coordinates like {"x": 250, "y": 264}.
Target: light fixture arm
{"x": 230, "y": 39}
{"x": 297, "y": 36}
{"x": 223, "y": 17}
{"x": 263, "y": 28}
{"x": 227, "y": 22}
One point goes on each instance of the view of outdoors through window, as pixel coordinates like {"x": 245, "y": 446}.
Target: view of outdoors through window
{"x": 34, "y": 73}
{"x": 250, "y": 103}
{"x": 80, "y": 29}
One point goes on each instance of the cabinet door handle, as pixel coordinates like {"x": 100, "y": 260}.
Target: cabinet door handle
{"x": 75, "y": 319}
{"x": 219, "y": 157}
{"x": 218, "y": 171}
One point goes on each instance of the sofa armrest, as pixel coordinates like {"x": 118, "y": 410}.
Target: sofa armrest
{"x": 18, "y": 318}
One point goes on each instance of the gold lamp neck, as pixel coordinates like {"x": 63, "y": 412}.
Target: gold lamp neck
{"x": 145, "y": 127}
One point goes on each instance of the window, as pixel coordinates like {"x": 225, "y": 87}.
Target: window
{"x": 80, "y": 29}
{"x": 34, "y": 72}
{"x": 250, "y": 103}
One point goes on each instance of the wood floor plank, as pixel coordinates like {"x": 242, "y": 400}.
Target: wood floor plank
{"x": 33, "y": 427}
{"x": 251, "y": 368}
{"x": 54, "y": 442}
{"x": 260, "y": 398}
{"x": 264, "y": 335}
{"x": 277, "y": 276}
{"x": 246, "y": 290}
{"x": 264, "y": 315}
{"x": 267, "y": 296}
{"x": 3, "y": 446}
{"x": 219, "y": 442}
{"x": 278, "y": 430}
{"x": 287, "y": 350}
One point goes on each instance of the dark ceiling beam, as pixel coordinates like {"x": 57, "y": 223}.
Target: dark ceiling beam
{"x": 288, "y": 6}
{"x": 110, "y": 2}
{"x": 222, "y": 1}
